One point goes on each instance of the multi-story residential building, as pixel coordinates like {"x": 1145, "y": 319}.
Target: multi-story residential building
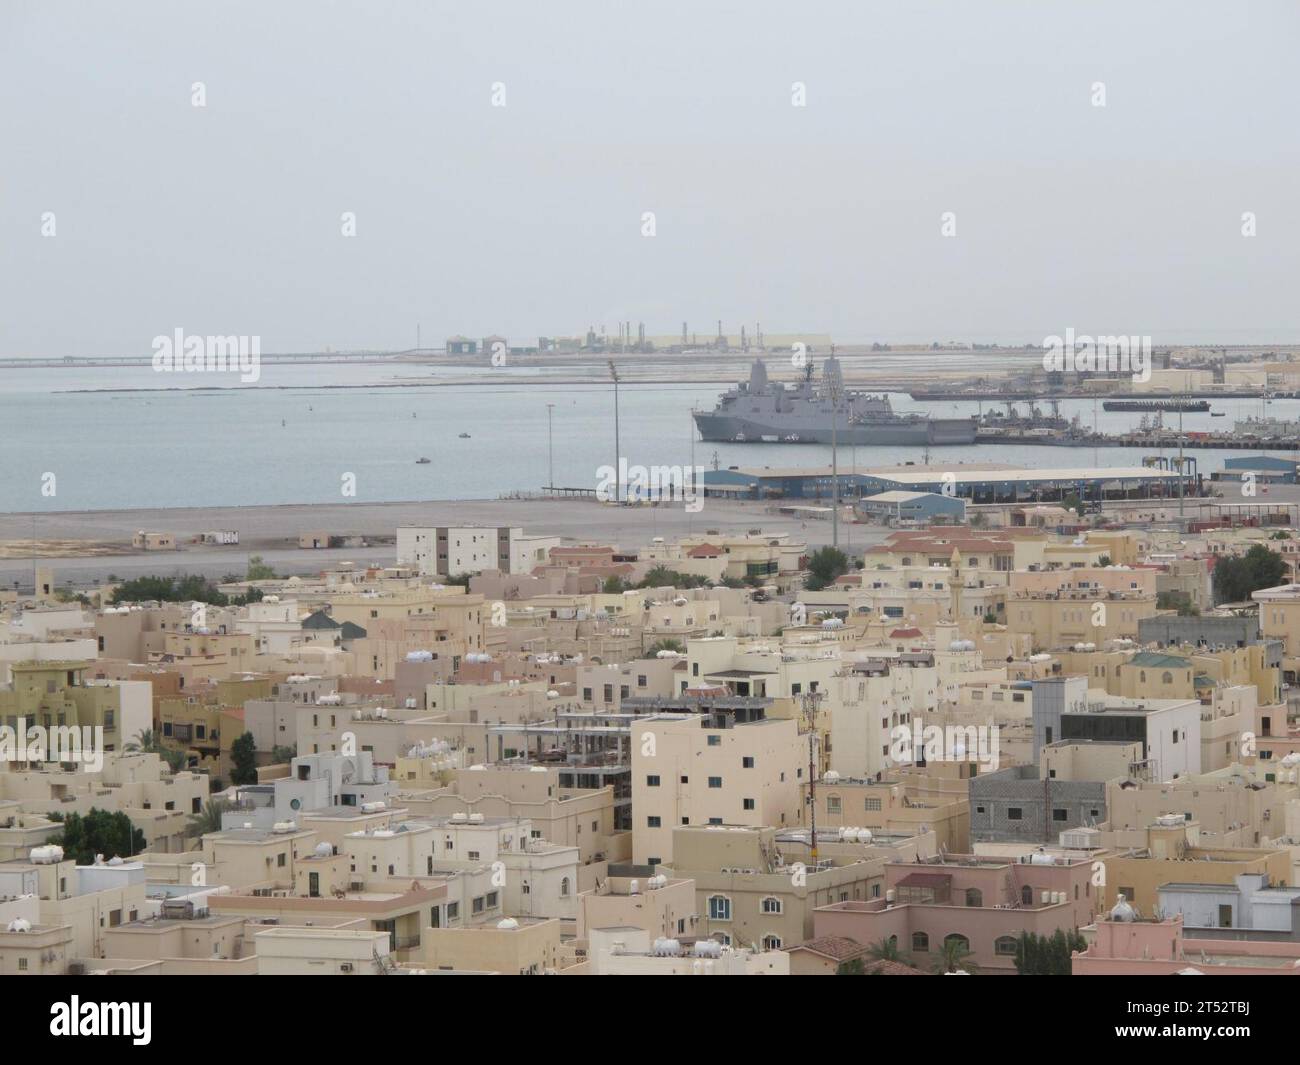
{"x": 978, "y": 904}
{"x": 453, "y": 550}
{"x": 697, "y": 769}
{"x": 758, "y": 887}
{"x": 55, "y": 695}
{"x": 1131, "y": 946}
{"x": 1169, "y": 851}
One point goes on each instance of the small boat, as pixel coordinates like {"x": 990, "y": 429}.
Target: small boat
{"x": 464, "y": 436}
{"x": 423, "y": 462}
{"x": 1218, "y": 414}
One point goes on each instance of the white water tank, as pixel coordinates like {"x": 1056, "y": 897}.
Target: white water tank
{"x": 47, "y": 855}
{"x": 507, "y": 924}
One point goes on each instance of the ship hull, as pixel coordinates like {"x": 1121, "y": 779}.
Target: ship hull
{"x": 942, "y": 432}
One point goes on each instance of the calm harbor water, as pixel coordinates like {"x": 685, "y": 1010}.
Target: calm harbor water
{"x": 292, "y": 442}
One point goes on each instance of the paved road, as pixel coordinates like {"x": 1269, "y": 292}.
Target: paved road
{"x": 272, "y": 532}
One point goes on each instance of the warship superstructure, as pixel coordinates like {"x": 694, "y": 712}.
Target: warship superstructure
{"x": 810, "y": 412}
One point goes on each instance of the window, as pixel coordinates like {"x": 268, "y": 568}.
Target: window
{"x": 715, "y": 782}
{"x": 832, "y": 804}
{"x": 1060, "y": 815}
{"x": 955, "y": 940}
{"x": 974, "y": 897}
{"x": 748, "y": 804}
{"x": 715, "y": 741}
{"x": 871, "y": 804}
{"x": 719, "y": 908}
{"x": 1013, "y": 813}
{"x": 920, "y": 943}
{"x": 771, "y": 942}
{"x": 1005, "y": 946}
{"x": 564, "y": 888}
{"x": 477, "y": 905}
{"x": 652, "y": 781}
{"x": 492, "y": 900}
{"x": 453, "y": 911}
{"x": 652, "y": 822}
{"x": 747, "y": 762}
{"x": 771, "y": 904}
{"x": 1026, "y": 896}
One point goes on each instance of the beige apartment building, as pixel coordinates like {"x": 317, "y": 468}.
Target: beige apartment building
{"x": 1173, "y": 854}
{"x": 566, "y": 816}
{"x": 687, "y": 773}
{"x": 757, "y": 888}
{"x": 510, "y": 947}
{"x": 321, "y": 952}
{"x": 663, "y": 906}
{"x": 894, "y": 807}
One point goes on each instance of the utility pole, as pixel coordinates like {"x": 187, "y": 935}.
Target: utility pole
{"x": 810, "y": 701}
{"x": 618, "y": 451}
{"x": 550, "y": 451}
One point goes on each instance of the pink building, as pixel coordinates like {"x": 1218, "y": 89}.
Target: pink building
{"x": 984, "y": 903}
{"x": 1158, "y": 948}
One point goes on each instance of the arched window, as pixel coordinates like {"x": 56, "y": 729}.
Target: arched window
{"x": 771, "y": 942}
{"x": 771, "y": 904}
{"x": 920, "y": 943}
{"x": 1027, "y": 896}
{"x": 719, "y": 908}
{"x": 1167, "y": 678}
{"x": 1005, "y": 945}
{"x": 974, "y": 897}
{"x": 564, "y": 888}
{"x": 956, "y": 939}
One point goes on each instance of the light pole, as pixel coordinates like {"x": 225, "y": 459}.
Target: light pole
{"x": 550, "y": 453}
{"x": 810, "y": 701}
{"x": 618, "y": 451}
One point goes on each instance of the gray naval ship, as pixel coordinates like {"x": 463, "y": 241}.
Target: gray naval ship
{"x": 759, "y": 410}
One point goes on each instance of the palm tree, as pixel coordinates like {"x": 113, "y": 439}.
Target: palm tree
{"x": 145, "y": 741}
{"x": 149, "y": 742}
{"x": 887, "y": 950}
{"x": 956, "y": 956}
{"x": 209, "y": 819}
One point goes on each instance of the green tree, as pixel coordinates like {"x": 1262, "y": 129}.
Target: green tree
{"x": 851, "y": 968}
{"x": 663, "y": 577}
{"x": 208, "y": 819}
{"x": 148, "y": 742}
{"x": 824, "y": 566}
{"x": 664, "y": 645}
{"x": 954, "y": 955}
{"x": 613, "y": 585}
{"x": 99, "y": 832}
{"x": 1236, "y": 578}
{"x": 258, "y": 570}
{"x": 243, "y": 757}
{"x": 887, "y": 950}
{"x": 1175, "y": 600}
{"x": 281, "y": 755}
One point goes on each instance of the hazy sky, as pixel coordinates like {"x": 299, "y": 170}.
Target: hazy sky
{"x": 527, "y": 218}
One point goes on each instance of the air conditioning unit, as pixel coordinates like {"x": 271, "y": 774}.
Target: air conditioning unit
{"x": 345, "y": 967}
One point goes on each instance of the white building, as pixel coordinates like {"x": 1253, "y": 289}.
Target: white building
{"x": 451, "y": 550}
